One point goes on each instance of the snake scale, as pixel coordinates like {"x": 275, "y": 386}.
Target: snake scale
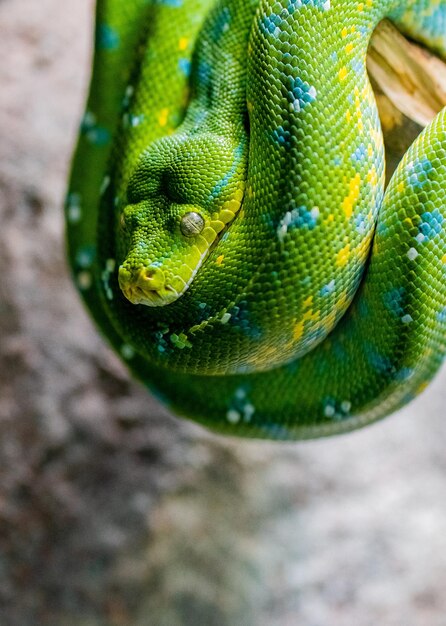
{"x": 228, "y": 226}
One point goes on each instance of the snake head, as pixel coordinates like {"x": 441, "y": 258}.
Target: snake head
{"x": 186, "y": 190}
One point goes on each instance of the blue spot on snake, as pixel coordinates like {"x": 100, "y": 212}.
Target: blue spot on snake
{"x": 241, "y": 319}
{"x": 93, "y": 132}
{"x": 107, "y": 38}
{"x": 418, "y": 172}
{"x": 379, "y": 362}
{"x": 270, "y": 23}
{"x": 282, "y": 137}
{"x": 222, "y": 24}
{"x": 404, "y": 374}
{"x": 299, "y": 217}
{"x": 185, "y": 66}
{"x": 441, "y": 317}
{"x": 322, "y": 5}
{"x": 328, "y": 288}
{"x": 169, "y": 3}
{"x": 204, "y": 73}
{"x": 357, "y": 66}
{"x": 300, "y": 93}
{"x": 361, "y": 223}
{"x": 360, "y": 153}
{"x": 217, "y": 189}
{"x": 432, "y": 224}
{"x": 394, "y": 301}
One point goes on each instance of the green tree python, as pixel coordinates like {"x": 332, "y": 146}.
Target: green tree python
{"x": 228, "y": 226}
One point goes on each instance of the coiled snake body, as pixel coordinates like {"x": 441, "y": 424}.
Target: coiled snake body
{"x": 227, "y": 221}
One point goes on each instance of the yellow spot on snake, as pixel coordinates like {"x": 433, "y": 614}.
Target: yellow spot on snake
{"x": 307, "y": 316}
{"x": 353, "y": 195}
{"x": 343, "y": 256}
{"x": 348, "y": 115}
{"x": 349, "y": 48}
{"x": 372, "y": 176}
{"x": 422, "y": 387}
{"x": 298, "y": 330}
{"x": 182, "y": 44}
{"x": 344, "y": 32}
{"x": 163, "y": 116}
{"x": 443, "y": 260}
{"x": 219, "y": 260}
{"x": 360, "y": 7}
{"x": 343, "y": 302}
{"x": 362, "y": 251}
{"x": 342, "y": 73}
{"x": 400, "y": 187}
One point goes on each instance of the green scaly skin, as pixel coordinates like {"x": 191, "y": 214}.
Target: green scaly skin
{"x": 302, "y": 301}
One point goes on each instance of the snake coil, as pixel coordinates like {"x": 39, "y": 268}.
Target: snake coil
{"x": 227, "y": 222}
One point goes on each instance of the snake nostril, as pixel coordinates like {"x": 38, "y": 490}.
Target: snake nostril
{"x": 138, "y": 282}
{"x": 149, "y": 279}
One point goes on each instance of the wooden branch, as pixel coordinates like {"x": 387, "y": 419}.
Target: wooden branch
{"x": 410, "y": 88}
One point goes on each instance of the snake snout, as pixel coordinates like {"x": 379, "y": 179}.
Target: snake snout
{"x": 144, "y": 285}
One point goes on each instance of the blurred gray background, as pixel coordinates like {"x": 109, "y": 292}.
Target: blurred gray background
{"x": 114, "y": 513}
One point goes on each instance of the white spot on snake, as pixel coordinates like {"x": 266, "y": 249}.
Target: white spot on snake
{"x": 295, "y": 106}
{"x": 346, "y": 406}
{"x": 282, "y": 231}
{"x": 84, "y": 257}
{"x": 89, "y": 119}
{"x": 84, "y": 280}
{"x": 110, "y": 265}
{"x": 329, "y": 410}
{"x": 233, "y": 416}
{"x": 128, "y": 95}
{"x": 412, "y": 254}
{"x": 74, "y": 211}
{"x": 225, "y": 318}
{"x": 135, "y": 120}
{"x": 299, "y": 217}
{"x": 104, "y": 185}
{"x": 131, "y": 121}
{"x": 248, "y": 412}
{"x": 240, "y": 393}
{"x": 407, "y": 319}
{"x": 127, "y": 351}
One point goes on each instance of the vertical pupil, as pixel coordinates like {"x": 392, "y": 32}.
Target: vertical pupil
{"x": 192, "y": 223}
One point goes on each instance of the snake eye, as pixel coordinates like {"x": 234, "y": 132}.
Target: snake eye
{"x": 192, "y": 223}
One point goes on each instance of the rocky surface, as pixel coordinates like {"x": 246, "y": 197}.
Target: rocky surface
{"x": 114, "y": 513}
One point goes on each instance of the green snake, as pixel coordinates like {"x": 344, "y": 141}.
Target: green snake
{"x": 227, "y": 222}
